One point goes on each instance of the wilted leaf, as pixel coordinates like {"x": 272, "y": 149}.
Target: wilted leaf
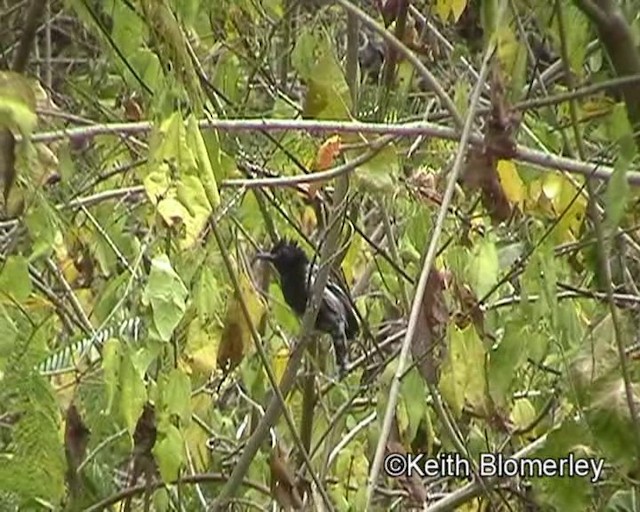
{"x": 282, "y": 483}
{"x": 412, "y": 484}
{"x": 236, "y": 337}
{"x": 76, "y": 438}
{"x": 481, "y": 173}
{"x": 427, "y": 346}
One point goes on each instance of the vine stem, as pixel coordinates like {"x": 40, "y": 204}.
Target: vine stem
{"x": 422, "y": 283}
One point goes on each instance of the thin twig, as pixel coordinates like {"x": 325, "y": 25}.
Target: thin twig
{"x": 420, "y": 290}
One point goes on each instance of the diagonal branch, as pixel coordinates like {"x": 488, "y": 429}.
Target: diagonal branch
{"x": 274, "y": 408}
{"x": 426, "y": 269}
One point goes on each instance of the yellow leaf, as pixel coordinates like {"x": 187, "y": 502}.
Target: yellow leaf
{"x": 280, "y": 361}
{"x": 523, "y": 413}
{"x": 457, "y": 8}
{"x": 507, "y": 47}
{"x": 511, "y": 183}
{"x": 309, "y": 221}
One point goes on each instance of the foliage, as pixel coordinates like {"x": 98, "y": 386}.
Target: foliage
{"x": 143, "y": 208}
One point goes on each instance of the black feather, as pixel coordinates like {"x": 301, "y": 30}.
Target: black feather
{"x": 336, "y": 315}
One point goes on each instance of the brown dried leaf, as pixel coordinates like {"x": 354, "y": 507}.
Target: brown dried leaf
{"x": 412, "y": 484}
{"x": 470, "y": 308}
{"x": 427, "y": 342}
{"x": 283, "y": 486}
{"x": 481, "y": 172}
{"x": 389, "y": 11}
{"x": 76, "y": 438}
{"x": 236, "y": 337}
{"x": 144, "y": 436}
{"x": 503, "y": 121}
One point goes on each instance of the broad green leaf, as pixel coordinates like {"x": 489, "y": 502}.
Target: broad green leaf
{"x": 8, "y": 335}
{"x": 463, "y": 380}
{"x": 111, "y": 359}
{"x": 177, "y": 395}
{"x": 483, "y": 267}
{"x": 207, "y": 294}
{"x": 14, "y": 278}
{"x": 617, "y": 194}
{"x": 381, "y": 172}
{"x": 42, "y": 228}
{"x": 17, "y": 103}
{"x": 303, "y": 54}
{"x": 169, "y": 453}
{"x": 511, "y": 183}
{"x": 561, "y": 492}
{"x": 610, "y": 421}
{"x": 578, "y": 33}
{"x": 622, "y": 501}
{"x": 505, "y": 361}
{"x": 413, "y": 396}
{"x": 166, "y": 294}
{"x": 523, "y": 413}
{"x": 228, "y": 75}
{"x": 446, "y": 8}
{"x": 133, "y": 394}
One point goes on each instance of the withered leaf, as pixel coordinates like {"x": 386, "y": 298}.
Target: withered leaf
{"x": 427, "y": 342}
{"x": 412, "y": 484}
{"x": 76, "y": 437}
{"x": 283, "y": 486}
{"x": 481, "y": 172}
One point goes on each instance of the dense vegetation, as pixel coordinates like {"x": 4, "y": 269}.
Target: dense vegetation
{"x": 467, "y": 167}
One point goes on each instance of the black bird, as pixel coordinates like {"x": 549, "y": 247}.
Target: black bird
{"x": 336, "y": 315}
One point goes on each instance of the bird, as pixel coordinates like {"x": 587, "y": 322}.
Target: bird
{"x": 336, "y": 315}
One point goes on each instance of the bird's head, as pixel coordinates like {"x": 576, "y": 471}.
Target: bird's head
{"x": 285, "y": 254}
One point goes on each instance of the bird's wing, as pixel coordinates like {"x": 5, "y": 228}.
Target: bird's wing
{"x": 338, "y": 301}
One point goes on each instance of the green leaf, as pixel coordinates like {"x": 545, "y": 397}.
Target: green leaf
{"x": 205, "y": 169}
{"x": 228, "y": 75}
{"x": 42, "y": 229}
{"x": 14, "y": 278}
{"x": 169, "y": 453}
{"x": 483, "y": 267}
{"x": 177, "y": 395}
{"x": 111, "y": 360}
{"x": 303, "y": 54}
{"x": 166, "y": 294}
{"x": 381, "y": 172}
{"x": 505, "y": 361}
{"x": 8, "y": 335}
{"x": 622, "y": 501}
{"x": 463, "y": 380}
{"x": 17, "y": 103}
{"x": 413, "y": 395}
{"x": 561, "y": 492}
{"x": 617, "y": 194}
{"x": 206, "y": 294}
{"x": 133, "y": 393}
